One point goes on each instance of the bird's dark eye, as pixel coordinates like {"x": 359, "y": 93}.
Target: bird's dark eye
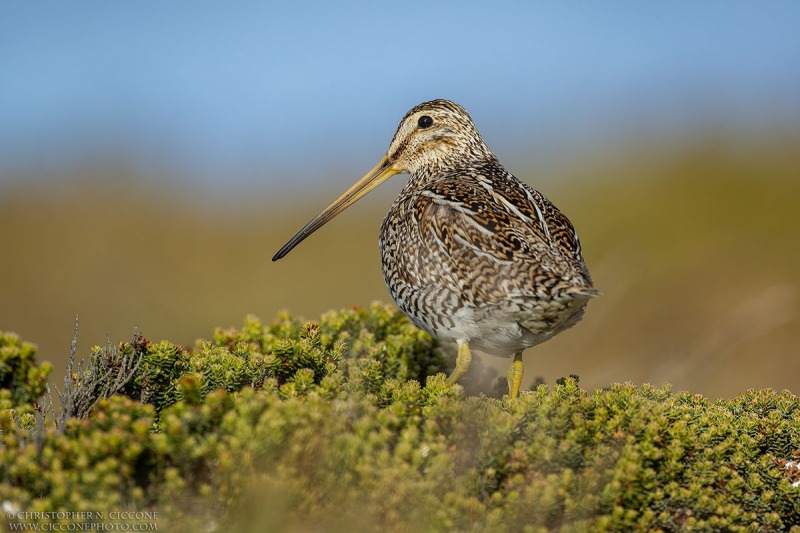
{"x": 425, "y": 122}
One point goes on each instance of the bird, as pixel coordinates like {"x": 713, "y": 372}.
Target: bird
{"x": 469, "y": 253}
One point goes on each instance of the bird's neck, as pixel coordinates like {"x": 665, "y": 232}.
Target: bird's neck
{"x": 444, "y": 168}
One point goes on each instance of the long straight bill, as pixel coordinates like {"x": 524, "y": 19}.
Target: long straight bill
{"x": 382, "y": 171}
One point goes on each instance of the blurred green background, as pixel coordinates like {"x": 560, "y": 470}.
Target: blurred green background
{"x": 154, "y": 158}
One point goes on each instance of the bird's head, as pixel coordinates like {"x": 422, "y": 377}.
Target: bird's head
{"x": 435, "y": 135}
{"x": 432, "y": 136}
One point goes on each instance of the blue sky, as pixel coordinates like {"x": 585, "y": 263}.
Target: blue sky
{"x": 277, "y": 91}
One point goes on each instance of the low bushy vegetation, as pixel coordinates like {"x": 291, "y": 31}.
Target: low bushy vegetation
{"x": 347, "y": 424}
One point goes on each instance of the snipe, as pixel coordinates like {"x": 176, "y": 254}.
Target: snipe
{"x": 470, "y": 253}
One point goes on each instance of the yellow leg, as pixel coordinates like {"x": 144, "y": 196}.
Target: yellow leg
{"x": 463, "y": 359}
{"x": 515, "y": 376}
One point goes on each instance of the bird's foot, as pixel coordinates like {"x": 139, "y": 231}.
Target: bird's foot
{"x": 463, "y": 359}
{"x": 515, "y": 376}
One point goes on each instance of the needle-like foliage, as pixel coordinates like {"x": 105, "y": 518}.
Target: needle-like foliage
{"x": 347, "y": 424}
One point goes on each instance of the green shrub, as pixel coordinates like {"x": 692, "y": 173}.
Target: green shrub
{"x": 347, "y": 424}
{"x": 22, "y": 381}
